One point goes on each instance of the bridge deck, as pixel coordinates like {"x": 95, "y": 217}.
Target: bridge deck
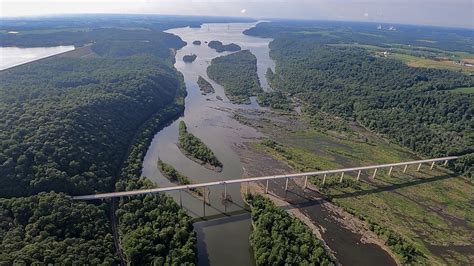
{"x": 253, "y": 179}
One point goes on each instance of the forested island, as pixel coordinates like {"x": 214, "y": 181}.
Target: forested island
{"x": 189, "y": 58}
{"x": 278, "y": 238}
{"x": 219, "y": 47}
{"x": 197, "y": 42}
{"x": 176, "y": 177}
{"x": 205, "y": 86}
{"x": 196, "y": 150}
{"x": 237, "y": 73}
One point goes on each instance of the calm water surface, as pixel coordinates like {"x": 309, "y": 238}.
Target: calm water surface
{"x": 14, "y": 56}
{"x": 225, "y": 239}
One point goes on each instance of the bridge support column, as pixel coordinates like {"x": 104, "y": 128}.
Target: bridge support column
{"x": 432, "y": 165}
{"x": 390, "y": 171}
{"x": 358, "y": 175}
{"x": 375, "y": 173}
{"x": 405, "y": 168}
{"x": 286, "y": 184}
{"x": 305, "y": 181}
{"x": 445, "y": 162}
{"x": 248, "y": 187}
{"x": 225, "y": 192}
{"x": 266, "y": 188}
{"x": 324, "y": 179}
{"x": 204, "y": 203}
{"x": 342, "y": 176}
{"x": 419, "y": 166}
{"x": 180, "y": 199}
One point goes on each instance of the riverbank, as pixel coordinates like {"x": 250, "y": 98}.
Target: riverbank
{"x": 310, "y": 207}
{"x": 437, "y": 226}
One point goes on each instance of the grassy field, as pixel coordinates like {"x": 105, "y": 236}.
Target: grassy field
{"x": 464, "y": 90}
{"x": 433, "y": 209}
{"x": 415, "y": 61}
{"x": 422, "y": 56}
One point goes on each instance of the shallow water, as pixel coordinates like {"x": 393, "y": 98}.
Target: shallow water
{"x": 14, "y": 56}
{"x": 225, "y": 241}
{"x": 209, "y": 119}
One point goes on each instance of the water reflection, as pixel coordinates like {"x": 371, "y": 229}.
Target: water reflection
{"x": 14, "y": 56}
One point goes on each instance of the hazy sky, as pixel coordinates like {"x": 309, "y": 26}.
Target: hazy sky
{"x": 432, "y": 12}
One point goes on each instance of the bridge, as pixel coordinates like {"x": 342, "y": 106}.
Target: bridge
{"x": 224, "y": 183}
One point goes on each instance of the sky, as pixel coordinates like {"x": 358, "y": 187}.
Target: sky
{"x": 452, "y": 13}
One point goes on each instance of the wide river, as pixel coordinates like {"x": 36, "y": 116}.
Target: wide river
{"x": 222, "y": 241}
{"x": 225, "y": 240}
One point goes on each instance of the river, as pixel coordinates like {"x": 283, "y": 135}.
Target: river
{"x": 225, "y": 239}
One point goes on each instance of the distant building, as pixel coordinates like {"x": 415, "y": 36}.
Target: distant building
{"x": 392, "y": 28}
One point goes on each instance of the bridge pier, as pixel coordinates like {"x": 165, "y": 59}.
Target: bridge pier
{"x": 151, "y": 191}
{"x": 225, "y": 192}
{"x": 375, "y": 173}
{"x": 418, "y": 168}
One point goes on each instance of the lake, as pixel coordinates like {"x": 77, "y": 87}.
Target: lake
{"x": 14, "y": 56}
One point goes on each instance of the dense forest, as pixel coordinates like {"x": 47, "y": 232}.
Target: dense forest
{"x": 49, "y": 227}
{"x": 67, "y": 123}
{"x": 219, "y": 47}
{"x": 189, "y": 58}
{"x": 195, "y": 148}
{"x": 412, "y": 106}
{"x": 279, "y": 239}
{"x": 237, "y": 73}
{"x": 205, "y": 86}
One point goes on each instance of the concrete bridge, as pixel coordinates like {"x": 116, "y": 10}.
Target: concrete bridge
{"x": 322, "y": 174}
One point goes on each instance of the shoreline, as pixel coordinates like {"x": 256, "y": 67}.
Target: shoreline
{"x": 346, "y": 220}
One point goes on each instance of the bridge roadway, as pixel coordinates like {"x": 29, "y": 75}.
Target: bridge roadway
{"x": 267, "y": 178}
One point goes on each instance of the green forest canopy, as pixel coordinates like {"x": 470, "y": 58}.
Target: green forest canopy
{"x": 66, "y": 125}
{"x": 412, "y": 106}
{"x": 237, "y": 73}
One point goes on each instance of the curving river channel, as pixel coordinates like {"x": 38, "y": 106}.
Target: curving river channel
{"x": 225, "y": 240}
